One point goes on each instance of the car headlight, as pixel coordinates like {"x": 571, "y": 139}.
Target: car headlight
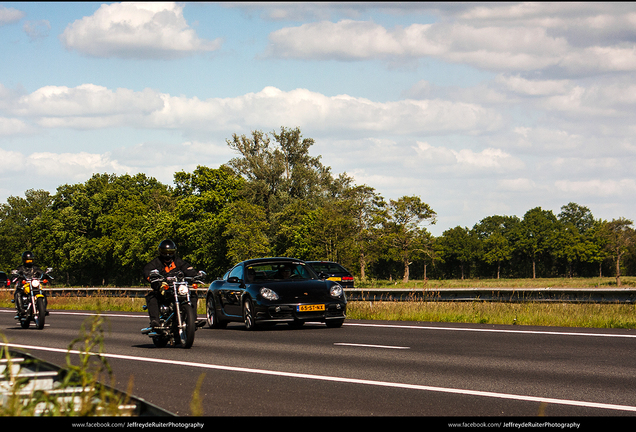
{"x": 268, "y": 294}
{"x": 335, "y": 291}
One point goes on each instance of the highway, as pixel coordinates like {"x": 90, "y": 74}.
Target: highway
{"x": 365, "y": 368}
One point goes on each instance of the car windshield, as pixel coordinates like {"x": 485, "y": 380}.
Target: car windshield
{"x": 277, "y": 271}
{"x": 327, "y": 267}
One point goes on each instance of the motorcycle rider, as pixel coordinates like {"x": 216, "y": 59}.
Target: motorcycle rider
{"x": 28, "y": 270}
{"x": 168, "y": 264}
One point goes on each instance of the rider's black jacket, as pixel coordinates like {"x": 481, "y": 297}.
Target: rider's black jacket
{"x": 169, "y": 269}
{"x": 28, "y": 272}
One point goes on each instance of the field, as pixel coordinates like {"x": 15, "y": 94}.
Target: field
{"x": 606, "y": 282}
{"x": 588, "y": 315}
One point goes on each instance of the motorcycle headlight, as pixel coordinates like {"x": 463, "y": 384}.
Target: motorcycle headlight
{"x": 183, "y": 290}
{"x": 268, "y": 294}
{"x": 335, "y": 291}
{"x": 35, "y": 284}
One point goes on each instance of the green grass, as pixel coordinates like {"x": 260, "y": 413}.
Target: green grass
{"x": 606, "y": 282}
{"x": 590, "y": 315}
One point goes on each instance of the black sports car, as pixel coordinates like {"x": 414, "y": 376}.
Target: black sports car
{"x": 267, "y": 291}
{"x": 333, "y": 271}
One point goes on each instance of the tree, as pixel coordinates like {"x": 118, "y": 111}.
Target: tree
{"x": 17, "y": 218}
{"x": 97, "y": 232}
{"x": 201, "y": 218}
{"x": 246, "y": 231}
{"x": 620, "y": 236}
{"x": 579, "y": 216}
{"x": 278, "y": 173}
{"x": 405, "y": 237}
{"x": 459, "y": 244}
{"x": 572, "y": 242}
{"x": 304, "y": 175}
{"x": 301, "y": 200}
{"x": 368, "y": 211}
{"x": 294, "y": 233}
{"x": 495, "y": 244}
{"x": 536, "y": 234}
{"x": 597, "y": 239}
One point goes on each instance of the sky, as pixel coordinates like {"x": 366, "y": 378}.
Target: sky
{"x": 480, "y": 109}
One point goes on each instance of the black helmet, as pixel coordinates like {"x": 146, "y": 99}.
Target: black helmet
{"x": 167, "y": 250}
{"x": 27, "y": 258}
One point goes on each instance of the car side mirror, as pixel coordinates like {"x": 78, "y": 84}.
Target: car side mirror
{"x": 233, "y": 279}
{"x": 322, "y": 275}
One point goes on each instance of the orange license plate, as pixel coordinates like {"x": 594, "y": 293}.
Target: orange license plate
{"x": 311, "y": 308}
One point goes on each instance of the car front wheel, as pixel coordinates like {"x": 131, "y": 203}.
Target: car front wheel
{"x": 248, "y": 315}
{"x": 212, "y": 316}
{"x": 334, "y": 323}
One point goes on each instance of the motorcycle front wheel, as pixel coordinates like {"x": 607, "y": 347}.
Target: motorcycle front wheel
{"x": 160, "y": 342}
{"x": 39, "y": 318}
{"x": 25, "y": 322}
{"x": 189, "y": 321}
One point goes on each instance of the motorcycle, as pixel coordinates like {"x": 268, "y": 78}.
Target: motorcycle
{"x": 177, "y": 313}
{"x": 32, "y": 297}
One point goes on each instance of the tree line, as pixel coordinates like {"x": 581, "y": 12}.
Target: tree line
{"x": 275, "y": 199}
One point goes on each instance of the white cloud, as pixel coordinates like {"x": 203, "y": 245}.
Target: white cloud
{"x": 12, "y": 126}
{"x": 10, "y": 15}
{"x": 161, "y": 160}
{"x": 91, "y": 106}
{"x": 14, "y": 161}
{"x": 78, "y": 166}
{"x": 466, "y": 161}
{"x": 529, "y": 87}
{"x": 86, "y": 100}
{"x": 495, "y": 48}
{"x": 544, "y": 141}
{"x": 520, "y": 37}
{"x": 136, "y": 30}
{"x": 517, "y": 185}
{"x": 37, "y": 29}
{"x": 598, "y": 187}
{"x": 349, "y": 39}
{"x": 308, "y": 109}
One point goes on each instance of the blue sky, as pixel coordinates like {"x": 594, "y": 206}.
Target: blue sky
{"x": 478, "y": 108}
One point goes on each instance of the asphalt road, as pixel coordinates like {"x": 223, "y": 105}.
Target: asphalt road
{"x": 365, "y": 368}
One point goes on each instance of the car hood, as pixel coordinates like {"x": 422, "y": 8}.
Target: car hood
{"x": 300, "y": 291}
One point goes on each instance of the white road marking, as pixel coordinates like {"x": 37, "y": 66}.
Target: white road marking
{"x": 370, "y": 346}
{"x": 410, "y": 327}
{"x": 485, "y": 330}
{"x": 465, "y": 392}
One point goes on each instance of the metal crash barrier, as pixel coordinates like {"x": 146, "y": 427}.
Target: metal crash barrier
{"x": 573, "y": 295}
{"x": 26, "y": 377}
{"x": 579, "y": 295}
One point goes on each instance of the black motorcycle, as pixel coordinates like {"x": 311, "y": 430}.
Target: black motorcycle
{"x": 32, "y": 298}
{"x": 177, "y": 313}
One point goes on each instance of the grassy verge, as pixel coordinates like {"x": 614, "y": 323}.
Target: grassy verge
{"x": 531, "y": 313}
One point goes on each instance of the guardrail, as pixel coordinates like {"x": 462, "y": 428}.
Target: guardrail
{"x": 579, "y": 295}
{"x": 33, "y": 374}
